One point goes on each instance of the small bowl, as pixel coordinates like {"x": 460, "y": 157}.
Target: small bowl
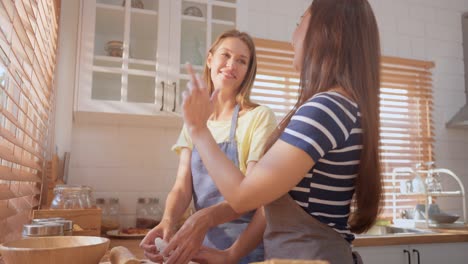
{"x": 193, "y": 11}
{"x": 55, "y": 250}
{"x": 443, "y": 218}
{"x": 114, "y": 48}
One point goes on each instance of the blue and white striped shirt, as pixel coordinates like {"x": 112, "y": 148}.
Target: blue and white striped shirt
{"x": 327, "y": 127}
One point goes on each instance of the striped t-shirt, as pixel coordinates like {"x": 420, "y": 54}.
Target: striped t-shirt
{"x": 327, "y": 127}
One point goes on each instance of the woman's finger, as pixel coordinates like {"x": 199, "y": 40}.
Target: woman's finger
{"x": 202, "y": 86}
{"x": 193, "y": 79}
{"x": 154, "y": 257}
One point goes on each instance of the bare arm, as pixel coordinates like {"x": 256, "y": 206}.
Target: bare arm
{"x": 181, "y": 194}
{"x": 177, "y": 202}
{"x": 189, "y": 238}
{"x": 282, "y": 167}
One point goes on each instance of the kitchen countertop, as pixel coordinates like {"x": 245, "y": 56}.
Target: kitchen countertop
{"x": 442, "y": 236}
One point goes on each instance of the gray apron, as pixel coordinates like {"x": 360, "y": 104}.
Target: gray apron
{"x": 206, "y": 194}
{"x": 292, "y": 233}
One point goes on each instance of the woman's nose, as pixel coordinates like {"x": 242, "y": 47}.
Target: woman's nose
{"x": 231, "y": 63}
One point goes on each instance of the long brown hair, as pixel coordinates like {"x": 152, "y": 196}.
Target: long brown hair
{"x": 243, "y": 97}
{"x": 342, "y": 49}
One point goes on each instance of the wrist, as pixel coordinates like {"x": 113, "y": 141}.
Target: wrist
{"x": 169, "y": 222}
{"x": 231, "y": 256}
{"x": 203, "y": 219}
{"x": 197, "y": 131}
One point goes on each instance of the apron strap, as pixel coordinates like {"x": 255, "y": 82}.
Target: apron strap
{"x": 235, "y": 115}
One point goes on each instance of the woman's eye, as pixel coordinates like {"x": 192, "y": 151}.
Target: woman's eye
{"x": 243, "y": 62}
{"x": 299, "y": 22}
{"x": 225, "y": 55}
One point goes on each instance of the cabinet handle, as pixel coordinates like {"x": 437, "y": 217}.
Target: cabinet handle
{"x": 162, "y": 100}
{"x": 409, "y": 255}
{"x": 417, "y": 253}
{"x": 175, "y": 96}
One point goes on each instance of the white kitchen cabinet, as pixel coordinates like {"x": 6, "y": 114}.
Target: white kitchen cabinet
{"x": 158, "y": 37}
{"x": 453, "y": 253}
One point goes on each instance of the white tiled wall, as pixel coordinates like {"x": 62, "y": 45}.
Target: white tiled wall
{"x": 124, "y": 162}
{"x": 130, "y": 162}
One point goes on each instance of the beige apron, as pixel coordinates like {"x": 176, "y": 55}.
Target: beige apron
{"x": 292, "y": 233}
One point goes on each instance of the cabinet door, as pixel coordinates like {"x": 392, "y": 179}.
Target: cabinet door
{"x": 453, "y": 253}
{"x": 385, "y": 254}
{"x": 123, "y": 55}
{"x": 197, "y": 24}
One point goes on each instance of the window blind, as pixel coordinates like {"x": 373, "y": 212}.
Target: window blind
{"x": 406, "y": 125}
{"x": 277, "y": 82}
{"x": 28, "y": 44}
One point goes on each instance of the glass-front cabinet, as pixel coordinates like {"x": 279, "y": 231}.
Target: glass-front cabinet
{"x": 132, "y": 53}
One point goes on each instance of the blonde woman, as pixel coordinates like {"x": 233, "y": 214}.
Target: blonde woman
{"x": 240, "y": 129}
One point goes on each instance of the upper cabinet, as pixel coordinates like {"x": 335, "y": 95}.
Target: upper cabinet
{"x": 132, "y": 53}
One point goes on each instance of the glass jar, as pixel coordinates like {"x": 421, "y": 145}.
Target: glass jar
{"x": 148, "y": 213}
{"x": 154, "y": 211}
{"x": 142, "y": 217}
{"x": 87, "y": 197}
{"x": 113, "y": 214}
{"x": 68, "y": 197}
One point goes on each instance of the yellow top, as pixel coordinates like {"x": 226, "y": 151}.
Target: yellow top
{"x": 253, "y": 129}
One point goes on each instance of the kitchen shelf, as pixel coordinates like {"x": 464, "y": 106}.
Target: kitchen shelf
{"x": 223, "y": 22}
{"x": 428, "y": 195}
{"x": 193, "y": 18}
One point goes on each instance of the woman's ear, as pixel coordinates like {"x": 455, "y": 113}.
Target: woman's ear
{"x": 208, "y": 60}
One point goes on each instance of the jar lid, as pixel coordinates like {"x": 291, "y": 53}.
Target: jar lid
{"x": 51, "y": 219}
{"x": 67, "y": 224}
{"x": 113, "y": 200}
{"x": 67, "y": 188}
{"x": 45, "y": 229}
{"x": 154, "y": 200}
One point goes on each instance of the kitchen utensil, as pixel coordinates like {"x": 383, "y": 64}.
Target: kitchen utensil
{"x": 444, "y": 218}
{"x": 55, "y": 250}
{"x": 114, "y": 48}
{"x": 43, "y": 229}
{"x": 86, "y": 222}
{"x": 135, "y": 4}
{"x": 193, "y": 11}
{"x": 121, "y": 255}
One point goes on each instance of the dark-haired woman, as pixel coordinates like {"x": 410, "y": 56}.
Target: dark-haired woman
{"x": 324, "y": 157}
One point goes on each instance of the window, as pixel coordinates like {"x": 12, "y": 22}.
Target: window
{"x": 277, "y": 82}
{"x": 405, "y": 109}
{"x": 28, "y": 43}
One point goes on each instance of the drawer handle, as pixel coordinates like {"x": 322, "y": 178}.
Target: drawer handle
{"x": 175, "y": 96}
{"x": 417, "y": 252}
{"x": 162, "y": 100}
{"x": 409, "y": 255}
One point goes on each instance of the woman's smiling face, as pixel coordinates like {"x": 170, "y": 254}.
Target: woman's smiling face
{"x": 229, "y": 64}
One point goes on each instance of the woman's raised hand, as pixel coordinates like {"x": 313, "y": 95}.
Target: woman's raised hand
{"x": 197, "y": 103}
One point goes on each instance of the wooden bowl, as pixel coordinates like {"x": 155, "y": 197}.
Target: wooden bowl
{"x": 55, "y": 250}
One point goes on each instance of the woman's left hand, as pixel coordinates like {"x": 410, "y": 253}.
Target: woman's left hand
{"x": 185, "y": 244}
{"x": 208, "y": 255}
{"x": 197, "y": 103}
